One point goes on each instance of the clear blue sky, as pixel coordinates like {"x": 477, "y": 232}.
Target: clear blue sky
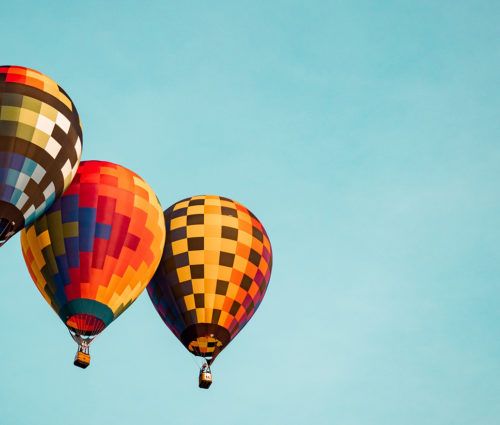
{"x": 366, "y": 137}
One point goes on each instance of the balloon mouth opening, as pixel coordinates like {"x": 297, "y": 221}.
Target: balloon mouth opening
{"x": 85, "y": 324}
{"x": 205, "y": 340}
{"x": 7, "y": 230}
{"x": 205, "y": 346}
{"x": 11, "y": 221}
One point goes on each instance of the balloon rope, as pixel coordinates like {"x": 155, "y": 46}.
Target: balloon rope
{"x": 195, "y": 362}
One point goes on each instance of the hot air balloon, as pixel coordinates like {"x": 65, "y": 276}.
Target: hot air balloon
{"x": 95, "y": 250}
{"x": 213, "y": 274}
{"x": 40, "y": 146}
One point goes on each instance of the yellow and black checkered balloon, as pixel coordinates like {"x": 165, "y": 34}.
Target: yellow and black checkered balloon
{"x": 213, "y": 274}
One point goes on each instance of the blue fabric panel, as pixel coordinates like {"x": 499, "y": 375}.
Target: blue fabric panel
{"x": 72, "y": 252}
{"x": 103, "y": 231}
{"x": 86, "y": 228}
{"x": 69, "y": 208}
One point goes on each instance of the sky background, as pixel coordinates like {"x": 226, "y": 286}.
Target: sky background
{"x": 365, "y": 135}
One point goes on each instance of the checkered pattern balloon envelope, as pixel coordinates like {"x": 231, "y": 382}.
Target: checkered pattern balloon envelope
{"x": 40, "y": 146}
{"x": 213, "y": 274}
{"x": 94, "y": 251}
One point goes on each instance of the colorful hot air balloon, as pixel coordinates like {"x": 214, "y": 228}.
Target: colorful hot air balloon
{"x": 95, "y": 250}
{"x": 40, "y": 146}
{"x": 213, "y": 274}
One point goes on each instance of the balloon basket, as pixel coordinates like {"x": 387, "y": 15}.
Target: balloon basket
{"x": 82, "y": 358}
{"x": 205, "y": 378}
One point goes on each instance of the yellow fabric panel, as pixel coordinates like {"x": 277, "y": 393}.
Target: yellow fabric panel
{"x": 189, "y": 300}
{"x": 28, "y": 117}
{"x": 213, "y": 219}
{"x": 48, "y": 111}
{"x": 178, "y": 247}
{"x": 177, "y": 223}
{"x": 200, "y": 315}
{"x": 196, "y": 257}
{"x": 211, "y": 257}
{"x": 43, "y": 240}
{"x": 184, "y": 274}
{"x": 212, "y": 244}
{"x": 198, "y": 286}
{"x": 40, "y": 138}
{"x": 195, "y": 231}
{"x": 232, "y": 290}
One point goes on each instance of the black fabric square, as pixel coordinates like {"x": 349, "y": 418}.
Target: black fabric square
{"x": 186, "y": 288}
{"x": 246, "y": 282}
{"x": 234, "y": 308}
{"x": 221, "y": 287}
{"x": 177, "y": 234}
{"x": 257, "y": 234}
{"x": 181, "y": 260}
{"x": 226, "y": 259}
{"x": 196, "y": 202}
{"x": 195, "y": 244}
{"x": 181, "y": 212}
{"x": 229, "y": 233}
{"x": 254, "y": 257}
{"x": 229, "y": 211}
{"x": 195, "y": 219}
{"x": 199, "y": 300}
{"x": 215, "y": 316}
{"x": 197, "y": 271}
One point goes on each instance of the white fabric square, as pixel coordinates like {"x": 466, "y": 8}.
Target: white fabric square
{"x": 62, "y": 122}
{"x": 49, "y": 190}
{"x": 53, "y": 147}
{"x": 22, "y": 181}
{"x": 78, "y": 147}
{"x": 22, "y": 200}
{"x": 38, "y": 173}
{"x": 66, "y": 169}
{"x": 45, "y": 124}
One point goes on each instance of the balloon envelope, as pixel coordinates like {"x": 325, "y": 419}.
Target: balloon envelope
{"x": 94, "y": 251}
{"x": 213, "y": 274}
{"x": 40, "y": 146}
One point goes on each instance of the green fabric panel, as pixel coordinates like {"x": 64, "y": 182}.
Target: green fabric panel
{"x": 32, "y": 104}
{"x": 25, "y": 131}
{"x": 70, "y": 230}
{"x": 86, "y": 306}
{"x": 55, "y": 227}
